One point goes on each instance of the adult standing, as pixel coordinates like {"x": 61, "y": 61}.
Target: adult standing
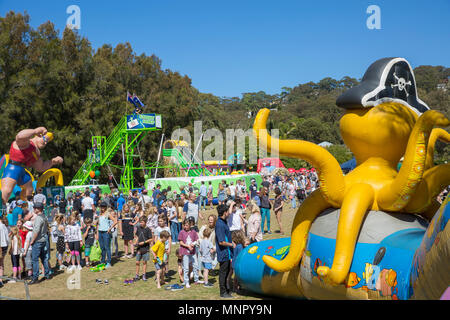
{"x": 77, "y": 203}
{"x": 253, "y": 189}
{"x": 105, "y": 224}
{"x": 192, "y": 209}
{"x": 278, "y": 207}
{"x": 88, "y": 207}
{"x": 144, "y": 198}
{"x": 39, "y": 243}
{"x": 224, "y": 249}
{"x": 155, "y": 194}
{"x": 202, "y": 195}
{"x": 254, "y": 232}
{"x": 62, "y": 205}
{"x": 39, "y": 197}
{"x": 25, "y": 152}
{"x": 265, "y": 209}
{"x": 210, "y": 195}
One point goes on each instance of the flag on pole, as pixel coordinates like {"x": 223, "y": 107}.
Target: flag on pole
{"x": 137, "y": 101}
{"x": 130, "y": 100}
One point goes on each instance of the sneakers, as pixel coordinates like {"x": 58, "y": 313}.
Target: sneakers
{"x": 208, "y": 285}
{"x": 136, "y": 278}
{"x": 79, "y": 267}
{"x": 70, "y": 268}
{"x": 226, "y": 296}
{"x": 98, "y": 281}
{"x": 187, "y": 285}
{"x": 176, "y": 287}
{"x": 106, "y": 281}
{"x": 199, "y": 282}
{"x": 144, "y": 278}
{"x": 62, "y": 267}
{"x": 108, "y": 265}
{"x": 13, "y": 280}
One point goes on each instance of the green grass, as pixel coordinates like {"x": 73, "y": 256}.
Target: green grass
{"x": 57, "y": 289}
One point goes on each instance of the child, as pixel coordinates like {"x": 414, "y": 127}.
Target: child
{"x": 162, "y": 226}
{"x": 206, "y": 251}
{"x": 89, "y": 232}
{"x": 27, "y": 248}
{"x": 158, "y": 256}
{"x": 142, "y": 240}
{"x": 239, "y": 239}
{"x": 173, "y": 219}
{"x": 188, "y": 238}
{"x": 74, "y": 241}
{"x": 180, "y": 264}
{"x": 60, "y": 243}
{"x": 23, "y": 234}
{"x": 14, "y": 251}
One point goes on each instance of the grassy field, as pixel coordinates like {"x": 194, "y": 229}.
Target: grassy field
{"x": 123, "y": 268}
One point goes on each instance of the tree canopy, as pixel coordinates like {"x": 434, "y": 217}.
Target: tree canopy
{"x": 76, "y": 91}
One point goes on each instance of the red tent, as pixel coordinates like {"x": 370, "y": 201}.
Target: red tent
{"x": 291, "y": 170}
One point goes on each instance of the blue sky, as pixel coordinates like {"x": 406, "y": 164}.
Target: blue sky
{"x": 230, "y": 47}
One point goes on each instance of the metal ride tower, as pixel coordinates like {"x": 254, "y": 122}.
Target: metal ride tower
{"x": 126, "y": 135}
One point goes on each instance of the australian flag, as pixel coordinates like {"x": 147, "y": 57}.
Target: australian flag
{"x": 134, "y": 100}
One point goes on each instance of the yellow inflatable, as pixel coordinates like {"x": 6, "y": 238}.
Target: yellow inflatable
{"x": 384, "y": 120}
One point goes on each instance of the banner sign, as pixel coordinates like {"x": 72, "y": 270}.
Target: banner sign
{"x": 143, "y": 121}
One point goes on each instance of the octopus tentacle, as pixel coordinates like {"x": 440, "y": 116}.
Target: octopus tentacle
{"x": 436, "y": 134}
{"x": 433, "y": 182}
{"x": 332, "y": 185}
{"x": 357, "y": 201}
{"x": 307, "y": 212}
{"x": 396, "y": 195}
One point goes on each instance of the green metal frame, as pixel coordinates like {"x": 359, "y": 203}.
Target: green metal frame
{"x": 108, "y": 147}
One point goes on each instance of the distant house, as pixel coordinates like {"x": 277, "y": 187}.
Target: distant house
{"x": 325, "y": 144}
{"x": 444, "y": 85}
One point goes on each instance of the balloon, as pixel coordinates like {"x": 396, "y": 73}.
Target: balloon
{"x": 97, "y": 173}
{"x": 92, "y": 174}
{"x": 146, "y": 177}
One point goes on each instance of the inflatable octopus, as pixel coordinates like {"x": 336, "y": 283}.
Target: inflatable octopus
{"x": 384, "y": 121}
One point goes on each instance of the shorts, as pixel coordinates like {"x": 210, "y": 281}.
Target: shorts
{"x": 87, "y": 251}
{"x": 207, "y": 265}
{"x": 142, "y": 256}
{"x": 4, "y": 250}
{"x": 17, "y": 173}
{"x": 74, "y": 246}
{"x": 159, "y": 266}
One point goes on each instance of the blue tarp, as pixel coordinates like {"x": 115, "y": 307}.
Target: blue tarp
{"x": 349, "y": 165}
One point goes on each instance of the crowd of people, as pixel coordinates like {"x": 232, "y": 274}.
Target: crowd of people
{"x": 150, "y": 226}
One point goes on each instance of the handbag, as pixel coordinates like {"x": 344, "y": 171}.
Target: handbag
{"x": 96, "y": 252}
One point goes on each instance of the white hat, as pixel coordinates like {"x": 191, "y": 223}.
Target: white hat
{"x": 28, "y": 225}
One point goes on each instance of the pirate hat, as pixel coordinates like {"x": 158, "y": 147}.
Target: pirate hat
{"x": 386, "y": 80}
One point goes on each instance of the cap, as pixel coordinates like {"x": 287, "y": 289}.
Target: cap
{"x": 20, "y": 202}
{"x": 38, "y": 205}
{"x": 103, "y": 204}
{"x": 28, "y": 225}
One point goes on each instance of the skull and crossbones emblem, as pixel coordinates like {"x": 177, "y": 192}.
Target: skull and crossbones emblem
{"x": 401, "y": 84}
